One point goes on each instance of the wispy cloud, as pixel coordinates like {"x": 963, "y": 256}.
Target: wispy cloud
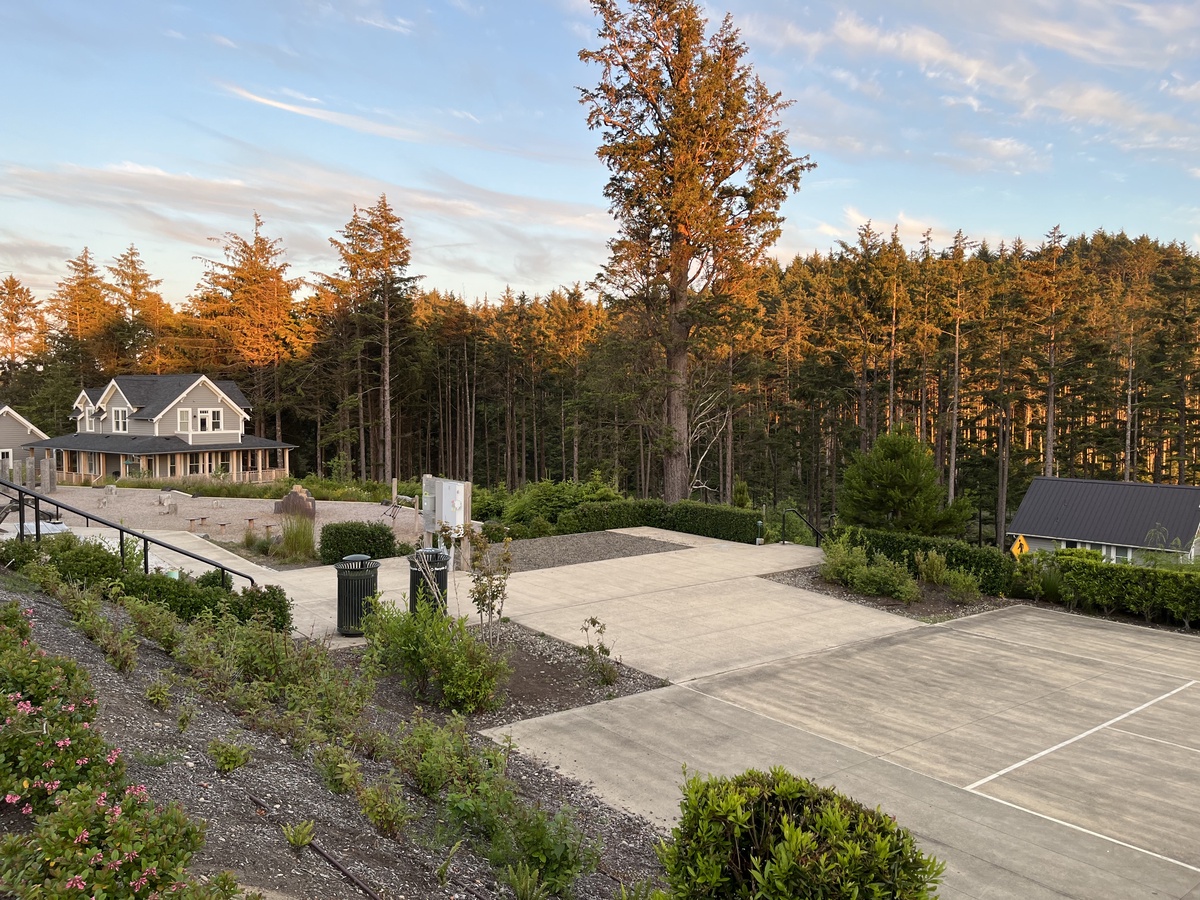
{"x": 1006, "y": 154}
{"x": 456, "y": 226}
{"x": 297, "y": 95}
{"x": 221, "y": 41}
{"x": 396, "y": 24}
{"x": 343, "y": 120}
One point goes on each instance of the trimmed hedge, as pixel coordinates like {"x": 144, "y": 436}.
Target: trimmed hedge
{"x": 991, "y": 565}
{"x": 776, "y": 836}
{"x": 1139, "y": 590}
{"x": 728, "y": 523}
{"x": 602, "y": 516}
{"x": 342, "y": 539}
{"x": 88, "y": 562}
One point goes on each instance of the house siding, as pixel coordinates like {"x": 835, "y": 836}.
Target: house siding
{"x": 12, "y": 435}
{"x": 198, "y": 398}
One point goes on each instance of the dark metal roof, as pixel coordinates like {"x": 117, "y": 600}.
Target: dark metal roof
{"x": 146, "y": 445}
{"x": 1119, "y": 513}
{"x": 151, "y": 395}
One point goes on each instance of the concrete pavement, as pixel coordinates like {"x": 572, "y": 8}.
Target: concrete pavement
{"x": 1038, "y": 754}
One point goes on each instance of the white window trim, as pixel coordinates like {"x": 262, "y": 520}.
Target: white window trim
{"x": 120, "y": 421}
{"x": 204, "y": 419}
{"x": 88, "y": 422}
{"x": 181, "y": 426}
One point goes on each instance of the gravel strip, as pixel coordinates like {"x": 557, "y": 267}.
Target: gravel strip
{"x": 593, "y": 546}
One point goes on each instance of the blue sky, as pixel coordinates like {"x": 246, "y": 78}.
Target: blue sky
{"x": 164, "y": 124}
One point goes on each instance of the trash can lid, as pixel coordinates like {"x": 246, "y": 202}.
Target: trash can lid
{"x": 356, "y": 557}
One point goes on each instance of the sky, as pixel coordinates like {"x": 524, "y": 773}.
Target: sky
{"x": 168, "y": 124}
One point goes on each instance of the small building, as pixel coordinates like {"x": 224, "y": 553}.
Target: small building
{"x": 163, "y": 426}
{"x": 15, "y": 432}
{"x": 1119, "y": 518}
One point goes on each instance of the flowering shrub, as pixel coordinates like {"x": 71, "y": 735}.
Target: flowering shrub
{"x": 50, "y": 748}
{"x": 103, "y": 843}
{"x": 95, "y": 836}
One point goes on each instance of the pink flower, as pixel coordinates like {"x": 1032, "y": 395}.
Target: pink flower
{"x": 12, "y": 798}
{"x": 139, "y": 884}
{"x": 82, "y": 761}
{"x": 47, "y": 764}
{"x": 95, "y": 859}
{"x": 70, "y": 707}
{"x": 14, "y": 696}
{"x": 52, "y": 786}
{"x": 76, "y": 882}
{"x": 115, "y": 812}
{"x": 132, "y": 854}
{"x": 27, "y": 809}
{"x": 114, "y": 756}
{"x": 115, "y": 864}
{"x": 86, "y": 725}
{"x": 65, "y": 742}
{"x": 100, "y": 800}
{"x": 83, "y": 837}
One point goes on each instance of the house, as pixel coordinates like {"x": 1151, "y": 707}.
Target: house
{"x": 163, "y": 426}
{"x": 15, "y": 432}
{"x": 1118, "y": 518}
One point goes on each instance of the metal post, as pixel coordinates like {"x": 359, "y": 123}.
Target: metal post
{"x": 21, "y": 516}
{"x": 37, "y": 519}
{"x": 146, "y": 556}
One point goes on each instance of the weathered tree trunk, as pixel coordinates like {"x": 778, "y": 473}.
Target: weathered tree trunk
{"x": 1048, "y": 465}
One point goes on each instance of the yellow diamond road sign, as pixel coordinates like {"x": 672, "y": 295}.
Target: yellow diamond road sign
{"x": 1020, "y": 546}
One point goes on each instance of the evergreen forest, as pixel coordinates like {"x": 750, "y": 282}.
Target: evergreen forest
{"x": 1076, "y": 356}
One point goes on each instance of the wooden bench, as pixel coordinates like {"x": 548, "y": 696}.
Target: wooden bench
{"x": 222, "y": 525}
{"x": 267, "y": 526}
{"x": 250, "y": 523}
{"x": 192, "y": 523}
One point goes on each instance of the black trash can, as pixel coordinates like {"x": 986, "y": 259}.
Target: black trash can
{"x": 358, "y": 580}
{"x": 438, "y": 562}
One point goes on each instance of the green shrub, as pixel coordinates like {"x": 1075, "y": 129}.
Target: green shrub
{"x": 931, "y": 567}
{"x": 384, "y": 806}
{"x": 436, "y": 656}
{"x": 963, "y": 587}
{"x": 992, "y": 566}
{"x": 339, "y": 769}
{"x": 842, "y": 561}
{"x": 887, "y": 579}
{"x": 342, "y": 539}
{"x": 548, "y": 500}
{"x": 15, "y": 554}
{"x": 713, "y": 520}
{"x": 552, "y": 846}
{"x": 267, "y": 602}
{"x": 1137, "y": 590}
{"x": 440, "y": 757}
{"x": 774, "y": 836}
{"x": 228, "y": 756}
{"x": 603, "y": 516}
{"x": 87, "y": 841}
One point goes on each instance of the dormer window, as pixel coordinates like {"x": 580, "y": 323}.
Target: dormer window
{"x": 120, "y": 420}
{"x": 88, "y": 422}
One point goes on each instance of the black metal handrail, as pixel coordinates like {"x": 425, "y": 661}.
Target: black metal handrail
{"x": 799, "y": 515}
{"x": 25, "y": 496}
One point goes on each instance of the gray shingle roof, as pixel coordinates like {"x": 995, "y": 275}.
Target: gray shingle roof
{"x": 141, "y": 445}
{"x": 1117, "y": 513}
{"x": 152, "y": 394}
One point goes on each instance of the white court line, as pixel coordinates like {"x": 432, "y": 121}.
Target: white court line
{"x": 1095, "y": 834}
{"x": 1146, "y": 737}
{"x": 1078, "y": 737}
